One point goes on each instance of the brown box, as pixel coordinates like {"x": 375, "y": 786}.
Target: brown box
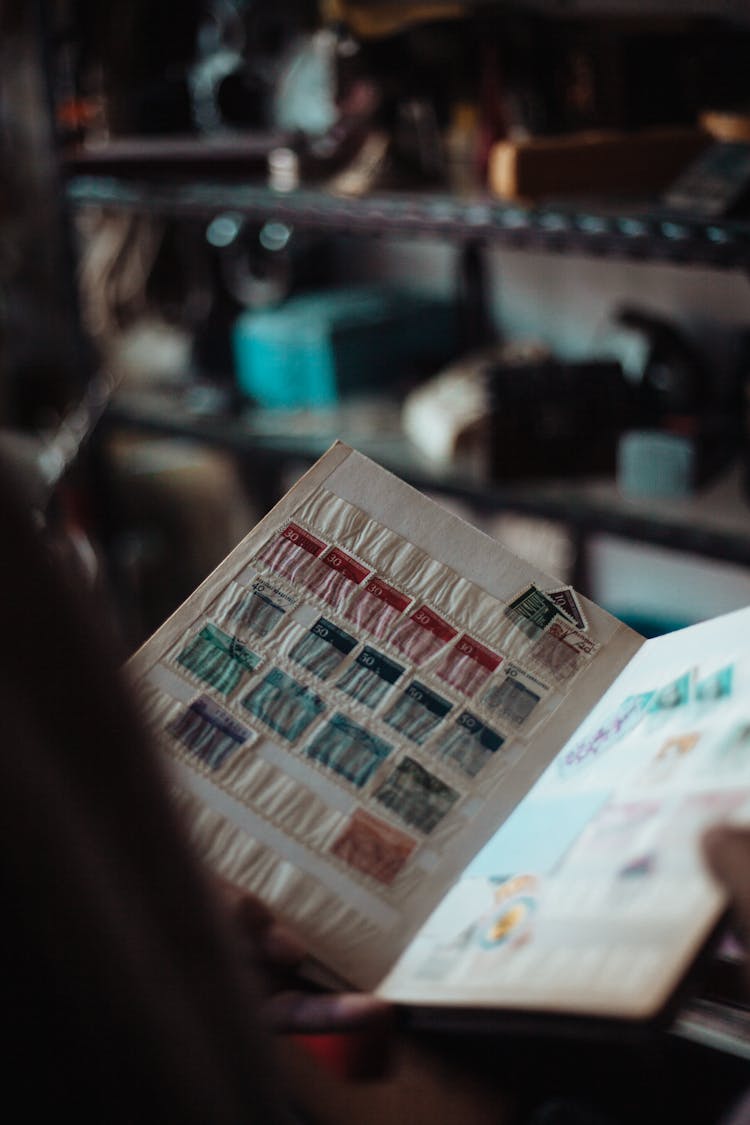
{"x": 592, "y": 163}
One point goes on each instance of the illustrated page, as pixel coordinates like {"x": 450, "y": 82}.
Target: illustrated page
{"x": 593, "y": 897}
{"x": 358, "y": 696}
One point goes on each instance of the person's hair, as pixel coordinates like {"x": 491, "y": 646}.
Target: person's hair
{"x": 40, "y": 344}
{"x": 123, "y": 997}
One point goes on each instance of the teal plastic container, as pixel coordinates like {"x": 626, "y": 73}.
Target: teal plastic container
{"x": 320, "y": 347}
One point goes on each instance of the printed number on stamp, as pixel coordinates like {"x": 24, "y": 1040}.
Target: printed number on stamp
{"x": 323, "y": 648}
{"x": 470, "y": 745}
{"x": 468, "y": 665}
{"x": 291, "y": 552}
{"x": 370, "y": 676}
{"x": 422, "y": 634}
{"x": 334, "y": 576}
{"x": 417, "y": 712}
{"x": 377, "y": 607}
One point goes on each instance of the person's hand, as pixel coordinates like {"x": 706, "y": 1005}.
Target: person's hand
{"x": 727, "y": 850}
{"x": 277, "y": 955}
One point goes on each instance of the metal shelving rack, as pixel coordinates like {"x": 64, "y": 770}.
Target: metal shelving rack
{"x": 627, "y": 230}
{"x": 714, "y": 524}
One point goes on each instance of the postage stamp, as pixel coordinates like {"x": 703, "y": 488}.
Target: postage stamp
{"x": 283, "y": 704}
{"x": 257, "y": 612}
{"x": 416, "y": 796}
{"x": 322, "y": 648}
{"x": 670, "y": 758}
{"x": 468, "y": 665}
{"x": 348, "y": 749}
{"x": 563, "y": 650}
{"x": 377, "y": 607}
{"x": 531, "y": 612}
{"x": 369, "y": 678}
{"x": 470, "y": 744}
{"x": 719, "y": 685}
{"x": 373, "y": 847}
{"x": 292, "y": 552}
{"x": 675, "y": 694}
{"x": 422, "y": 634}
{"x": 732, "y": 755}
{"x": 217, "y": 659}
{"x": 334, "y": 576}
{"x": 417, "y": 712}
{"x": 621, "y": 722}
{"x": 208, "y": 732}
{"x": 567, "y": 602}
{"x": 513, "y": 698}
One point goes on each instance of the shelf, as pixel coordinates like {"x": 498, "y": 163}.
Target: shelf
{"x": 626, "y": 231}
{"x": 714, "y": 523}
{"x": 730, "y": 9}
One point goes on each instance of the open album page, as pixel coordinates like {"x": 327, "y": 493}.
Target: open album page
{"x": 358, "y": 696}
{"x": 593, "y": 897}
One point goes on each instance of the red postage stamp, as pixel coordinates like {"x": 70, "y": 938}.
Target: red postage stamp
{"x": 377, "y": 607}
{"x": 468, "y": 664}
{"x": 292, "y": 551}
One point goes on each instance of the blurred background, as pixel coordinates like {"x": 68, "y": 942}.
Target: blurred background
{"x": 501, "y": 247}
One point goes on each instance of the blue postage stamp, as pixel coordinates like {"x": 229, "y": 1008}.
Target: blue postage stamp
{"x": 348, "y": 749}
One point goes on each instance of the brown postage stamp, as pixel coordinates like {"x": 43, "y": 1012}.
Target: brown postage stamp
{"x": 373, "y": 847}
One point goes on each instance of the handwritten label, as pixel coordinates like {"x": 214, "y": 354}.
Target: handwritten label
{"x": 591, "y": 748}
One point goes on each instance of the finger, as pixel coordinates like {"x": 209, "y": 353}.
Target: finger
{"x": 307, "y": 1013}
{"x": 281, "y": 948}
{"x": 727, "y": 850}
{"x": 245, "y": 908}
{"x": 265, "y": 939}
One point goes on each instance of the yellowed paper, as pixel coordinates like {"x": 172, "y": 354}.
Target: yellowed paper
{"x": 358, "y": 697}
{"x": 593, "y": 897}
